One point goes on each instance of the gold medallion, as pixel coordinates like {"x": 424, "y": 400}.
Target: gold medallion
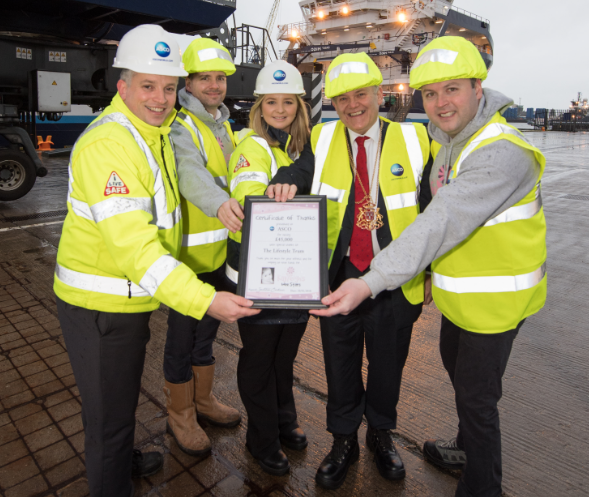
{"x": 369, "y": 217}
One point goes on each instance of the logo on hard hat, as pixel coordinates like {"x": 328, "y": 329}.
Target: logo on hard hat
{"x": 162, "y": 49}
{"x": 279, "y": 75}
{"x": 397, "y": 170}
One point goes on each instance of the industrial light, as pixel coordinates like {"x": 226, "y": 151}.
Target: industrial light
{"x": 345, "y": 10}
{"x": 294, "y": 34}
{"x": 401, "y": 87}
{"x": 346, "y": 29}
{"x": 401, "y": 16}
{"x": 369, "y": 26}
{"x": 439, "y": 21}
{"x": 462, "y": 29}
{"x": 321, "y": 15}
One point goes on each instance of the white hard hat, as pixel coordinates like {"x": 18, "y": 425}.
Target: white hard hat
{"x": 150, "y": 49}
{"x": 279, "y": 77}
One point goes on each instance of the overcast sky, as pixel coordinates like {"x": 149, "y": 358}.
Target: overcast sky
{"x": 541, "y": 47}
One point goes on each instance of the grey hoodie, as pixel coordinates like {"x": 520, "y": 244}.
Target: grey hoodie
{"x": 492, "y": 179}
{"x": 195, "y": 182}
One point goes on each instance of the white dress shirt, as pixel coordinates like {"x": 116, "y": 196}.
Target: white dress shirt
{"x": 371, "y": 148}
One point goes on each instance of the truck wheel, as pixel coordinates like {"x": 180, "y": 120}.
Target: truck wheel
{"x": 17, "y": 174}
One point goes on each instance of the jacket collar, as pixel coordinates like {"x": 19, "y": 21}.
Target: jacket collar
{"x": 195, "y": 107}
{"x": 281, "y": 136}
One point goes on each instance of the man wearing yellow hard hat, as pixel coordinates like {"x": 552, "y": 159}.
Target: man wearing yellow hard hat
{"x": 370, "y": 170}
{"x": 203, "y": 144}
{"x": 118, "y": 256}
{"x": 484, "y": 236}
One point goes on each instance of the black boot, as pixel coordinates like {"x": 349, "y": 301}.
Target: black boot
{"x": 145, "y": 464}
{"x": 332, "y": 472}
{"x": 387, "y": 459}
{"x": 296, "y": 439}
{"x": 275, "y": 464}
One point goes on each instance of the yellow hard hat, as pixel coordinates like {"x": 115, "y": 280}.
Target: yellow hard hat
{"x": 351, "y": 71}
{"x": 204, "y": 55}
{"x": 445, "y": 58}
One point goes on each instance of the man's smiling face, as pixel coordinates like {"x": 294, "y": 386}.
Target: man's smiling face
{"x": 149, "y": 96}
{"x": 358, "y": 109}
{"x": 451, "y": 105}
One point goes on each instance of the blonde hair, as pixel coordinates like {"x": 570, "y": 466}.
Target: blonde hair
{"x": 299, "y": 129}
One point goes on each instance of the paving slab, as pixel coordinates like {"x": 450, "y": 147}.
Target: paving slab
{"x": 544, "y": 410}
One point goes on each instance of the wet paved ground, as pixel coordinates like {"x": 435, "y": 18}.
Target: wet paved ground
{"x": 544, "y": 411}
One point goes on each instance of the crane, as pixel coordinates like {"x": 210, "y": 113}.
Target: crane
{"x": 270, "y": 22}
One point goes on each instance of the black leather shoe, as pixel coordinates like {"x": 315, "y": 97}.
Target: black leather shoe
{"x": 387, "y": 458}
{"x": 145, "y": 463}
{"x": 276, "y": 464}
{"x": 332, "y": 472}
{"x": 296, "y": 439}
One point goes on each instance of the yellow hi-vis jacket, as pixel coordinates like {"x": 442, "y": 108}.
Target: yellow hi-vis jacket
{"x": 497, "y": 276}
{"x": 405, "y": 152}
{"x": 204, "y": 238}
{"x": 252, "y": 166}
{"x": 122, "y": 236}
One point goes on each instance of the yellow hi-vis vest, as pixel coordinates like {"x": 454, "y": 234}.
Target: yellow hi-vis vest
{"x": 263, "y": 162}
{"x": 121, "y": 238}
{"x": 497, "y": 276}
{"x": 204, "y": 238}
{"x": 405, "y": 152}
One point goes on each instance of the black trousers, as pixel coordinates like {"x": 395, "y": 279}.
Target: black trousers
{"x": 265, "y": 382}
{"x": 107, "y": 352}
{"x": 189, "y": 342}
{"x": 385, "y": 325}
{"x": 476, "y": 363}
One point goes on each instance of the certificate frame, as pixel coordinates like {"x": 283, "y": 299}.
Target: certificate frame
{"x": 321, "y": 225}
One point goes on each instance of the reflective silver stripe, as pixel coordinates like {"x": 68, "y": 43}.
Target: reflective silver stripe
{"x": 231, "y": 273}
{"x": 120, "y": 205}
{"x": 329, "y": 254}
{"x": 221, "y": 181}
{"x": 195, "y": 130}
{"x": 489, "y": 284}
{"x": 331, "y": 192}
{"x": 80, "y": 208}
{"x": 205, "y": 237}
{"x": 321, "y": 152}
{"x": 436, "y": 55}
{"x": 263, "y": 143}
{"x": 99, "y": 284}
{"x": 401, "y": 200}
{"x": 161, "y": 217}
{"x": 158, "y": 272}
{"x": 348, "y": 68}
{"x": 249, "y": 176}
{"x": 518, "y": 213}
{"x": 492, "y": 130}
{"x": 214, "y": 53}
{"x": 415, "y": 154}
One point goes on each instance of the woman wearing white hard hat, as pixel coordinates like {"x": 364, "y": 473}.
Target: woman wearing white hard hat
{"x": 279, "y": 130}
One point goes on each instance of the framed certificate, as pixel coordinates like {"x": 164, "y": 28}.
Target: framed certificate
{"x": 283, "y": 257}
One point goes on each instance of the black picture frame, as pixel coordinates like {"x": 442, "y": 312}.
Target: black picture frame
{"x": 249, "y": 201}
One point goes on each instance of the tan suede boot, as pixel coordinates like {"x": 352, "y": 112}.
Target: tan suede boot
{"x": 208, "y": 407}
{"x": 182, "y": 422}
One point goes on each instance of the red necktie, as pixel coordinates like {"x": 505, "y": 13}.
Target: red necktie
{"x": 361, "y": 248}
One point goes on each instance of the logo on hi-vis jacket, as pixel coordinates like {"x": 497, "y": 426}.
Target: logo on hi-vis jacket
{"x": 115, "y": 185}
{"x": 242, "y": 162}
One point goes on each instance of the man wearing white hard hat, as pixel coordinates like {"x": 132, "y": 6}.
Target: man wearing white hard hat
{"x": 484, "y": 236}
{"x": 118, "y": 255}
{"x": 203, "y": 142}
{"x": 370, "y": 170}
